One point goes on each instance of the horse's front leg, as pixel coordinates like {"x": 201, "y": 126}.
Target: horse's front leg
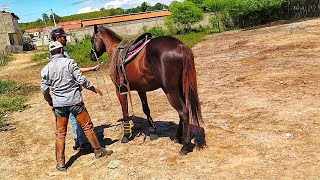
{"x": 126, "y": 120}
{"x": 146, "y": 110}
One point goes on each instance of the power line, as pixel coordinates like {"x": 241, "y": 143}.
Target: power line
{"x": 35, "y": 13}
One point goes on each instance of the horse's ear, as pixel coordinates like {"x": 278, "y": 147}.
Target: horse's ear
{"x": 95, "y": 29}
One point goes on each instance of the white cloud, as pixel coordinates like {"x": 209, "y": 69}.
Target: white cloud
{"x": 133, "y": 3}
{"x": 87, "y": 9}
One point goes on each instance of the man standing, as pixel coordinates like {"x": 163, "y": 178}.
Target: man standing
{"x": 80, "y": 139}
{"x": 63, "y": 76}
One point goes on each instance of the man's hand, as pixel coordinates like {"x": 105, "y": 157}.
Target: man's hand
{"x": 95, "y": 68}
{"x": 97, "y": 90}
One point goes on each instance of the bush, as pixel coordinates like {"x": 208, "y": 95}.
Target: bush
{"x": 80, "y": 52}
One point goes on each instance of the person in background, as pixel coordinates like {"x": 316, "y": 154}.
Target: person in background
{"x": 80, "y": 141}
{"x": 63, "y": 78}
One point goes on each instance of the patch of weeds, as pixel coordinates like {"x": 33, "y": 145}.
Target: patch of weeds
{"x": 43, "y": 56}
{"x": 13, "y": 97}
{"x": 5, "y": 58}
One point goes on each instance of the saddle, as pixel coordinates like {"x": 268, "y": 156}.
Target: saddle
{"x": 126, "y": 51}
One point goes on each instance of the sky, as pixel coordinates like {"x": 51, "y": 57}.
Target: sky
{"x": 31, "y": 10}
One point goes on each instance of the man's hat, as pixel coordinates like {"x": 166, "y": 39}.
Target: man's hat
{"x": 58, "y": 32}
{"x": 55, "y": 45}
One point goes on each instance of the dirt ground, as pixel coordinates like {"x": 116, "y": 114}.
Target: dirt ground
{"x": 259, "y": 91}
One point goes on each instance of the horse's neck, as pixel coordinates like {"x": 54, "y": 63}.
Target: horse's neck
{"x": 111, "y": 45}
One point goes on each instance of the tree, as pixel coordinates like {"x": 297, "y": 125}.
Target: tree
{"x": 56, "y": 17}
{"x": 45, "y": 17}
{"x": 197, "y": 2}
{"x": 158, "y": 6}
{"x": 102, "y": 9}
{"x": 215, "y": 6}
{"x": 185, "y": 13}
{"x": 144, "y": 7}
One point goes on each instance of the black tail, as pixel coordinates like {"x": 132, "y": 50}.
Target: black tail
{"x": 190, "y": 89}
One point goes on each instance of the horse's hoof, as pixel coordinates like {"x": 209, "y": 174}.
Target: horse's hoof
{"x": 124, "y": 139}
{"x": 153, "y": 137}
{"x": 183, "y": 152}
{"x": 186, "y": 149}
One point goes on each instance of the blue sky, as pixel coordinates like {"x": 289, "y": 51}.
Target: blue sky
{"x": 31, "y": 10}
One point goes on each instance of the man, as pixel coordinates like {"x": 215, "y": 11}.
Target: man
{"x": 80, "y": 139}
{"x": 63, "y": 76}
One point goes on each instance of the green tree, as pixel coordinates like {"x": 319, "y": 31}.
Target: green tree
{"x": 185, "y": 13}
{"x": 144, "y": 7}
{"x": 45, "y": 17}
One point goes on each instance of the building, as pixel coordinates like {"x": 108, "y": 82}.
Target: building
{"x": 126, "y": 24}
{"x": 10, "y": 34}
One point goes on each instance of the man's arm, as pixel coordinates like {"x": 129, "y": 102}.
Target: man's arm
{"x": 81, "y": 79}
{"x": 94, "y": 68}
{"x": 45, "y": 84}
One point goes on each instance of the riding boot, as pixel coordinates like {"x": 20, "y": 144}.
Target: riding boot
{"x": 76, "y": 145}
{"x": 61, "y": 131}
{"x": 87, "y": 126}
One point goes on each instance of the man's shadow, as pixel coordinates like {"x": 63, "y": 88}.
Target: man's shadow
{"x": 103, "y": 142}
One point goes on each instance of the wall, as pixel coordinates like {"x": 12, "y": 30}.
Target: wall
{"x": 9, "y": 25}
{"x": 129, "y": 28}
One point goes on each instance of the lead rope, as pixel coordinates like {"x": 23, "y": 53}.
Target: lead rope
{"x": 104, "y": 83}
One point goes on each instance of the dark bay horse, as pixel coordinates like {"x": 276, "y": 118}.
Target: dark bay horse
{"x": 166, "y": 63}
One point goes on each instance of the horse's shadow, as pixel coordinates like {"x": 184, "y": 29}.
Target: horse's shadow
{"x": 163, "y": 128}
{"x": 103, "y": 142}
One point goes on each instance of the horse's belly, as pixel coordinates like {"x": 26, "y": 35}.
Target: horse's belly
{"x": 144, "y": 85}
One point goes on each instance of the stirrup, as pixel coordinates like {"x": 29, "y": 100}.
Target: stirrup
{"x": 123, "y": 89}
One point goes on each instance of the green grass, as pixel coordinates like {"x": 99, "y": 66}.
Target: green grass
{"x": 13, "y": 97}
{"x": 192, "y": 38}
{"x": 4, "y": 59}
{"x": 42, "y": 56}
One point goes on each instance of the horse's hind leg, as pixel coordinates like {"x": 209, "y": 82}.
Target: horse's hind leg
{"x": 146, "y": 110}
{"x": 178, "y": 104}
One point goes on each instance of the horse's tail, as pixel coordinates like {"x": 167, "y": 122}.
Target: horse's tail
{"x": 190, "y": 92}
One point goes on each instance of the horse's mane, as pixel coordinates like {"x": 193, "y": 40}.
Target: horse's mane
{"x": 112, "y": 33}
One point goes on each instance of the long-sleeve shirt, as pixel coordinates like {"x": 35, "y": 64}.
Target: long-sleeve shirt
{"x": 63, "y": 76}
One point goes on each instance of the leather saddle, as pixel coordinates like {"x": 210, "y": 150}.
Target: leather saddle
{"x": 126, "y": 51}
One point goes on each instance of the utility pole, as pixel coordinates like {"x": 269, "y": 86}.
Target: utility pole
{"x": 4, "y": 7}
{"x": 54, "y": 21}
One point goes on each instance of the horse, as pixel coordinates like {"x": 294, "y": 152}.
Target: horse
{"x": 166, "y": 63}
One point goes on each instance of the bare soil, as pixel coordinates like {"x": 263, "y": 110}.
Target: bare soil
{"x": 259, "y": 91}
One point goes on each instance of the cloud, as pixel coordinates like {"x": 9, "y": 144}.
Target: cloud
{"x": 87, "y": 9}
{"x": 133, "y": 3}
{"x": 80, "y": 2}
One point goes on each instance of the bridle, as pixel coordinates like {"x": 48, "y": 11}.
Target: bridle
{"x": 93, "y": 50}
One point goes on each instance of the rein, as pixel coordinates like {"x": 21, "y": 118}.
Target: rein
{"x": 104, "y": 82}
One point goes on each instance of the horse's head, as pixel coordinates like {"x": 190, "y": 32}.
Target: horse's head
{"x": 98, "y": 47}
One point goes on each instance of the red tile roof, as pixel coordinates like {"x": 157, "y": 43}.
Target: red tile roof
{"x": 105, "y": 20}
{"x": 122, "y": 18}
